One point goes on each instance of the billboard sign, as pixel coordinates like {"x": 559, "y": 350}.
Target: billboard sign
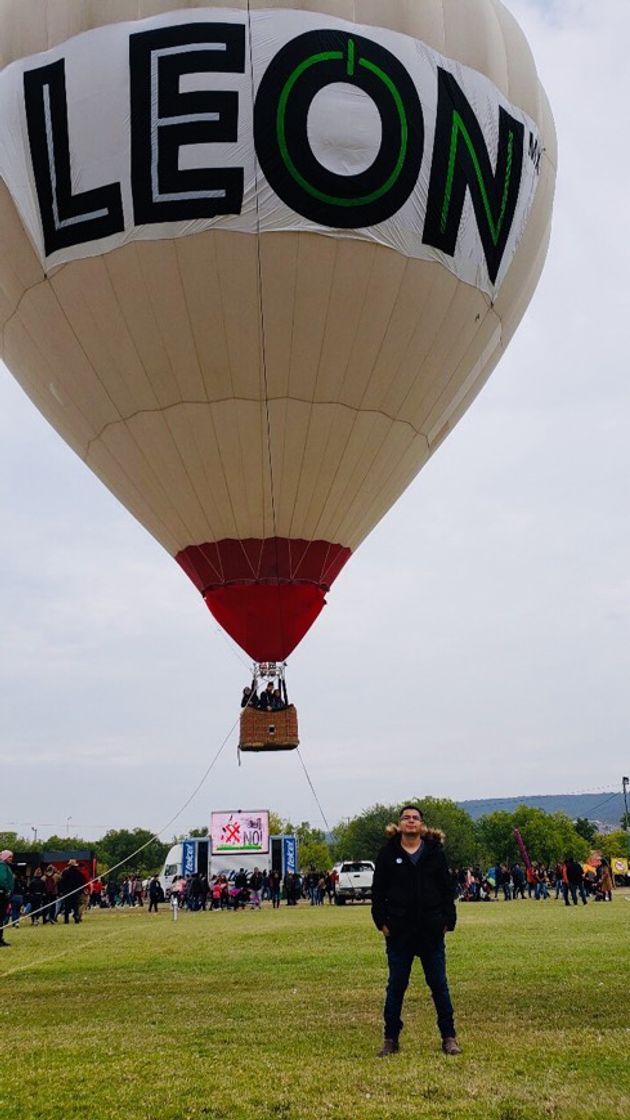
{"x": 239, "y": 831}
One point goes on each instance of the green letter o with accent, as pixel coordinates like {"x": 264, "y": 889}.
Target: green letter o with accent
{"x": 299, "y": 71}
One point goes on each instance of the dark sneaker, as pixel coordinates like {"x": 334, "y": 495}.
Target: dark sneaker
{"x": 451, "y": 1046}
{"x": 390, "y": 1046}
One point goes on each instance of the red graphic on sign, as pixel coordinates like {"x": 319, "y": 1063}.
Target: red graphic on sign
{"x": 232, "y": 832}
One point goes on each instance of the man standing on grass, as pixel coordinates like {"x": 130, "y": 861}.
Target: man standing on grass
{"x": 71, "y": 886}
{"x": 413, "y": 906}
{"x": 6, "y": 888}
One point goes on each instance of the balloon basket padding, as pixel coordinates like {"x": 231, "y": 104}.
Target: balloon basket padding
{"x": 269, "y": 731}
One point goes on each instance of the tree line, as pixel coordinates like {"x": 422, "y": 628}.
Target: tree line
{"x": 549, "y": 837}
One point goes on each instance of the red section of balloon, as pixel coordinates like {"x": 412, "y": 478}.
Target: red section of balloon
{"x": 266, "y": 620}
{"x": 265, "y": 593}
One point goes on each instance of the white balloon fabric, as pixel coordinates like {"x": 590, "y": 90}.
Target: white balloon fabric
{"x": 256, "y": 261}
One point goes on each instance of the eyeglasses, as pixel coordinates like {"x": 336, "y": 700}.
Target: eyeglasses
{"x": 414, "y": 819}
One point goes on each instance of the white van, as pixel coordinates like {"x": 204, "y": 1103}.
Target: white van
{"x": 185, "y": 858}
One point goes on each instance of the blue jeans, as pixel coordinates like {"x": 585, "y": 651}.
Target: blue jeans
{"x": 433, "y": 961}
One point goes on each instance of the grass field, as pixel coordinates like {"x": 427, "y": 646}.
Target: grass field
{"x": 277, "y": 1016}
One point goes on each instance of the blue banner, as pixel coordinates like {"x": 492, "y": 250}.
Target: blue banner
{"x": 289, "y": 854}
{"x": 189, "y": 857}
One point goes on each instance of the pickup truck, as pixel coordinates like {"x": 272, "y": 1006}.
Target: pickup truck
{"x": 354, "y": 880}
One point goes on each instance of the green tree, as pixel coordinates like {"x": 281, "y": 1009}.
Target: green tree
{"x": 585, "y": 828}
{"x": 495, "y": 838}
{"x": 548, "y": 837}
{"x": 314, "y": 854}
{"x": 16, "y": 843}
{"x": 456, "y": 824}
{"x": 118, "y": 845}
{"x": 362, "y": 837}
{"x": 613, "y": 844}
{"x": 278, "y": 826}
{"x": 313, "y": 851}
{"x": 67, "y": 844}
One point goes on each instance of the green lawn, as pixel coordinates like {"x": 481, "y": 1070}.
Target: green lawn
{"x": 277, "y": 1016}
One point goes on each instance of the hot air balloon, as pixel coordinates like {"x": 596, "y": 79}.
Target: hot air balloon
{"x": 256, "y": 261}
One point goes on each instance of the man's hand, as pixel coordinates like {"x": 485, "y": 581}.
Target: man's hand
{"x": 385, "y": 931}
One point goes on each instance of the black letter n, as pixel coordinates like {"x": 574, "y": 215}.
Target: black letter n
{"x": 460, "y": 162}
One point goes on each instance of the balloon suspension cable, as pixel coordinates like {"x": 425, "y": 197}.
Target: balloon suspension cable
{"x": 314, "y": 792}
{"x": 156, "y": 836}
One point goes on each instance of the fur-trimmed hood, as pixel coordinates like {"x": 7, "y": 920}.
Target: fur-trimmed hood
{"x": 392, "y": 831}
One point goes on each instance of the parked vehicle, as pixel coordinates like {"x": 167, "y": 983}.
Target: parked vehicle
{"x": 354, "y": 882}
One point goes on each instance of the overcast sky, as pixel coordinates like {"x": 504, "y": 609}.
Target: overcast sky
{"x": 478, "y": 643}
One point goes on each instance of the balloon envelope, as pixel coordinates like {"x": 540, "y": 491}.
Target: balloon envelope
{"x": 256, "y": 262}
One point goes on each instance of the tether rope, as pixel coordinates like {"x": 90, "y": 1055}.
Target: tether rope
{"x": 314, "y": 792}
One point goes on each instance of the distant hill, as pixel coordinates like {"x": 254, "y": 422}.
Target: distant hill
{"x": 605, "y": 807}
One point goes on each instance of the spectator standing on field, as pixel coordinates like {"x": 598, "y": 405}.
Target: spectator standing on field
{"x": 275, "y": 885}
{"x": 413, "y": 907}
{"x": 51, "y": 883}
{"x": 37, "y": 897}
{"x": 573, "y": 881}
{"x": 605, "y": 881}
{"x": 155, "y": 893}
{"x": 255, "y": 887}
{"x": 518, "y": 879}
{"x": 6, "y": 890}
{"x": 71, "y": 887}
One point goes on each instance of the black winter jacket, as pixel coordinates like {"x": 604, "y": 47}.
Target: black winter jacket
{"x": 415, "y": 901}
{"x": 72, "y": 880}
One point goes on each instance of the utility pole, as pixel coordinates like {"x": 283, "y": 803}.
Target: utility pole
{"x": 625, "y": 782}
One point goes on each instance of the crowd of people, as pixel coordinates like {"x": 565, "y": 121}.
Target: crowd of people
{"x": 567, "y": 880}
{"x": 238, "y": 891}
{"x": 49, "y": 895}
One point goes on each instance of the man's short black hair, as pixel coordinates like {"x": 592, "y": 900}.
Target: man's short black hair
{"x": 415, "y": 808}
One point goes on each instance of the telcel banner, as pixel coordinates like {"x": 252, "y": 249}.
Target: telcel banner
{"x": 189, "y": 857}
{"x": 289, "y": 855}
{"x": 240, "y": 831}
{"x": 266, "y": 121}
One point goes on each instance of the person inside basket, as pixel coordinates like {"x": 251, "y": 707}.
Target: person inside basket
{"x": 249, "y": 698}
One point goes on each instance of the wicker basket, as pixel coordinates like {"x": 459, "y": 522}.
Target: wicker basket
{"x": 269, "y": 731}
